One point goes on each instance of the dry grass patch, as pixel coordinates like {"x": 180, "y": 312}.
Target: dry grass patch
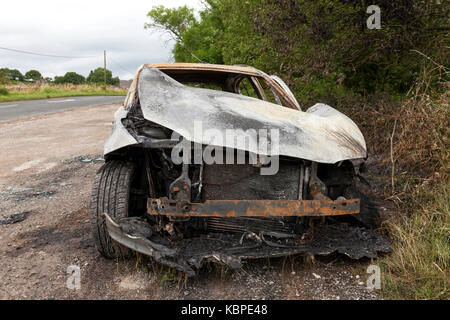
{"x": 419, "y": 266}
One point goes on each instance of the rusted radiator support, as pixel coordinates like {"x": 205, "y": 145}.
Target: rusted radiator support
{"x": 252, "y": 208}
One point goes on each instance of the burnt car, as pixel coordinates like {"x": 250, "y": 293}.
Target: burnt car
{"x": 287, "y": 187}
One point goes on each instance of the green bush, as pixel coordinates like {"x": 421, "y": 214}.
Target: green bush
{"x": 97, "y": 76}
{"x": 324, "y": 44}
{"x": 4, "y": 92}
{"x": 70, "y": 77}
{"x": 33, "y": 74}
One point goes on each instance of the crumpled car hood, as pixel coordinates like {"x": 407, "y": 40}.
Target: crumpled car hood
{"x": 320, "y": 134}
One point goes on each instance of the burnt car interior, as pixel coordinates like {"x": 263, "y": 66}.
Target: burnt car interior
{"x": 227, "y": 81}
{"x": 184, "y": 215}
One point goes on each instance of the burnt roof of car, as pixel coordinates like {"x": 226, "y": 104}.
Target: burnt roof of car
{"x": 178, "y": 67}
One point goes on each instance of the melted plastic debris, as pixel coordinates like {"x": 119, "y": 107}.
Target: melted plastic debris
{"x": 87, "y": 159}
{"x": 15, "y": 218}
{"x": 189, "y": 254}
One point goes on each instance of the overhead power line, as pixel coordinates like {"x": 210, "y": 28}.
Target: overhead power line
{"x": 46, "y": 55}
{"x": 68, "y": 57}
{"x": 114, "y": 62}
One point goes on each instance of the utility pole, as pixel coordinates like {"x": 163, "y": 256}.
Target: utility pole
{"x": 104, "y": 68}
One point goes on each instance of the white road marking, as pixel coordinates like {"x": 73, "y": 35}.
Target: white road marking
{"x": 67, "y": 100}
{"x": 27, "y": 165}
{"x": 47, "y": 166}
{"x": 8, "y": 106}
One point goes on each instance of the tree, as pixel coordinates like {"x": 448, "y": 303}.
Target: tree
{"x": 70, "y": 77}
{"x": 115, "y": 81}
{"x": 16, "y": 75}
{"x": 4, "y": 75}
{"x": 196, "y": 41}
{"x": 323, "y": 48}
{"x": 176, "y": 21}
{"x": 59, "y": 80}
{"x": 97, "y": 76}
{"x": 33, "y": 74}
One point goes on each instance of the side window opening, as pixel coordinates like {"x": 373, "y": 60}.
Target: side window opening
{"x": 246, "y": 88}
{"x": 259, "y": 89}
{"x": 203, "y": 85}
{"x": 270, "y": 93}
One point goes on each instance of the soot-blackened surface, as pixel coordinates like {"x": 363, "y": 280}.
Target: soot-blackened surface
{"x": 232, "y": 248}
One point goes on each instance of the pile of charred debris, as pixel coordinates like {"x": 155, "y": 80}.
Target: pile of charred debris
{"x": 231, "y": 248}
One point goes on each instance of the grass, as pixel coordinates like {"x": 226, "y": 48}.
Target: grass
{"x": 16, "y": 92}
{"x": 418, "y": 158}
{"x": 419, "y": 266}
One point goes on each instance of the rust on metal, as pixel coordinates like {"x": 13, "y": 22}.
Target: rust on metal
{"x": 317, "y": 195}
{"x": 252, "y": 208}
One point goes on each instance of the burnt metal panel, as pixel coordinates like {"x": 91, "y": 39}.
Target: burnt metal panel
{"x": 239, "y": 182}
{"x": 252, "y": 208}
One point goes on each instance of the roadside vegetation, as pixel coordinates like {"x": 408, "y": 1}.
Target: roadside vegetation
{"x": 393, "y": 81}
{"x": 20, "y": 91}
{"x": 419, "y": 266}
{"x": 15, "y": 86}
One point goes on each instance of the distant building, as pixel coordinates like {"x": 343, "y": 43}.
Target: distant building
{"x": 125, "y": 83}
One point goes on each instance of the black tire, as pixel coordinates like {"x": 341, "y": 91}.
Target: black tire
{"x": 111, "y": 194}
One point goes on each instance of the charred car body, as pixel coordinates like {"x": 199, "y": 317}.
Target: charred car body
{"x": 185, "y": 213}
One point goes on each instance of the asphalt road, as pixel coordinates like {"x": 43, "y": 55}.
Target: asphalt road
{"x": 25, "y": 109}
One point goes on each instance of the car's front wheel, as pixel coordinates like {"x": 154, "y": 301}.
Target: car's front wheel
{"x": 111, "y": 194}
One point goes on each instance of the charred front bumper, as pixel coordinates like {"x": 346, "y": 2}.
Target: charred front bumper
{"x": 231, "y": 249}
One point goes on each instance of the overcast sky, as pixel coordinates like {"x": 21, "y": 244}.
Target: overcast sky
{"x": 83, "y": 29}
